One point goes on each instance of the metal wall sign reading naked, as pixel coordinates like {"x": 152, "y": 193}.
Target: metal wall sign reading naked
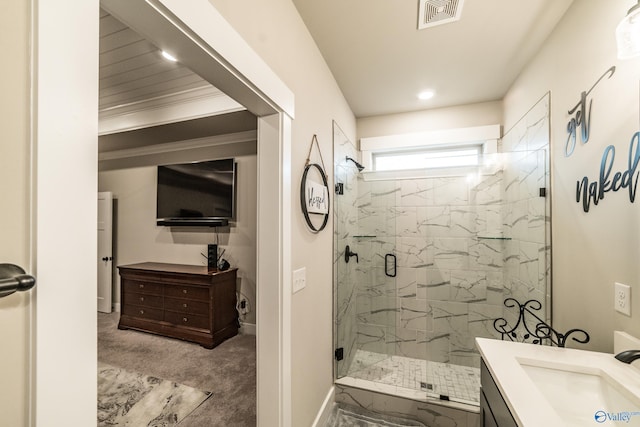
{"x": 581, "y": 117}
{"x": 593, "y": 192}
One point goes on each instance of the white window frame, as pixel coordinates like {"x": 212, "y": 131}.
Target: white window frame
{"x": 485, "y": 137}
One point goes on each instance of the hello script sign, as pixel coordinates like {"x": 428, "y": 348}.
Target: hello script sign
{"x": 592, "y": 191}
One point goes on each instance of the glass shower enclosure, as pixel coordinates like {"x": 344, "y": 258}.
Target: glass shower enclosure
{"x": 437, "y": 255}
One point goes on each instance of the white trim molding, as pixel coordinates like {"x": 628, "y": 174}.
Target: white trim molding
{"x": 235, "y": 53}
{"x": 486, "y": 136}
{"x": 438, "y": 137}
{"x": 325, "y": 410}
{"x": 247, "y": 328}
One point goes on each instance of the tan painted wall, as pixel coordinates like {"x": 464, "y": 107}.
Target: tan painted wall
{"x": 138, "y": 239}
{"x": 480, "y": 114}
{"x": 14, "y": 214}
{"x": 276, "y": 32}
{"x": 590, "y": 250}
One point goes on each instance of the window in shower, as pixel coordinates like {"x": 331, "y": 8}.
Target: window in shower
{"x": 427, "y": 158}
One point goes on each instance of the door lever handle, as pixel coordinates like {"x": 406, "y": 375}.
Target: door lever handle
{"x": 14, "y": 278}
{"x": 107, "y": 258}
{"x": 348, "y": 254}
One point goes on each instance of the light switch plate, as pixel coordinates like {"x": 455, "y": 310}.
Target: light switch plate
{"x": 299, "y": 279}
{"x": 622, "y": 298}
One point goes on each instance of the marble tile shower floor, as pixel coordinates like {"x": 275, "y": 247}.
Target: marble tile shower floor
{"x": 442, "y": 381}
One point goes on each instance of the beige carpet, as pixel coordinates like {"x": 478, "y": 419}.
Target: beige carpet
{"x": 228, "y": 371}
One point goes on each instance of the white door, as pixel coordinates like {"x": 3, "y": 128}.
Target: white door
{"x": 105, "y": 251}
{"x": 15, "y": 317}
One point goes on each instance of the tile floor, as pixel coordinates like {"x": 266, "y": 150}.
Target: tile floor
{"x": 438, "y": 380}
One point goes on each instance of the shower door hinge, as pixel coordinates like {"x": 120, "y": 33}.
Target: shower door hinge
{"x": 339, "y": 353}
{"x": 543, "y": 192}
{"x": 339, "y": 188}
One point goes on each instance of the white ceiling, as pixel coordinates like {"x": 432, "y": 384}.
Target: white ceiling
{"x": 374, "y": 50}
{"x": 133, "y": 72}
{"x": 381, "y": 60}
{"x": 132, "y": 69}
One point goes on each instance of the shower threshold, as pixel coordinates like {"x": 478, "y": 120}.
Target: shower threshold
{"x": 421, "y": 380}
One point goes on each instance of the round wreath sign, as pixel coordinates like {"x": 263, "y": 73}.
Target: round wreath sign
{"x": 314, "y": 196}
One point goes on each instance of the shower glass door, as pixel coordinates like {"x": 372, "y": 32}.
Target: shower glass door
{"x": 365, "y": 292}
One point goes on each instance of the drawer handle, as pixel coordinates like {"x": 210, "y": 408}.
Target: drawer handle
{"x": 141, "y": 298}
{"x": 184, "y": 319}
{"x": 184, "y": 305}
{"x": 141, "y": 311}
{"x": 141, "y": 286}
{"x": 184, "y": 291}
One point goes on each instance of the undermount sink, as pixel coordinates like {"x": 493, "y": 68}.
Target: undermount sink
{"x": 563, "y": 387}
{"x": 582, "y": 395}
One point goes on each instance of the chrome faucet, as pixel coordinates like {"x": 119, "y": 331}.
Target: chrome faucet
{"x": 628, "y": 356}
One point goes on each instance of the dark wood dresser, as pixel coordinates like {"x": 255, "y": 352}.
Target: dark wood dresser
{"x": 187, "y": 302}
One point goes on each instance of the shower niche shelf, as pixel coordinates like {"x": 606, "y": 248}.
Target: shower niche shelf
{"x": 493, "y": 238}
{"x": 365, "y": 236}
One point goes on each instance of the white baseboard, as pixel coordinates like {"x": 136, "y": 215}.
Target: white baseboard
{"x": 325, "y": 409}
{"x": 247, "y": 328}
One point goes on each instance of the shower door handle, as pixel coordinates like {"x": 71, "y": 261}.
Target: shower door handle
{"x": 13, "y": 278}
{"x": 387, "y": 269}
{"x": 348, "y": 254}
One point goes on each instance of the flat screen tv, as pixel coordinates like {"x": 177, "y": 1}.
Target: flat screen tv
{"x": 196, "y": 194}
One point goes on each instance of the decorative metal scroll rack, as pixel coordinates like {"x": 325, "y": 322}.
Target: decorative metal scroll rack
{"x": 532, "y": 329}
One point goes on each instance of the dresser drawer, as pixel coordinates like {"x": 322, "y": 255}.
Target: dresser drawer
{"x": 186, "y": 306}
{"x": 191, "y": 292}
{"x": 143, "y": 300}
{"x": 143, "y": 312}
{"x": 142, "y": 287}
{"x": 190, "y": 320}
{"x": 186, "y": 302}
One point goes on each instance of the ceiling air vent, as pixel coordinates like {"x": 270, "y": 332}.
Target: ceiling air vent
{"x": 437, "y": 12}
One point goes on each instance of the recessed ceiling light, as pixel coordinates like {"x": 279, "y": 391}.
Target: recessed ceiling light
{"x": 427, "y": 94}
{"x": 168, "y": 56}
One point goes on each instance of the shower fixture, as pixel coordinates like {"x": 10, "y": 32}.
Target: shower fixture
{"x": 358, "y": 165}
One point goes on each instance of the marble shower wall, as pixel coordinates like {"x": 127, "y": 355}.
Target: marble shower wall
{"x": 527, "y": 215}
{"x": 449, "y": 280}
{"x": 462, "y": 246}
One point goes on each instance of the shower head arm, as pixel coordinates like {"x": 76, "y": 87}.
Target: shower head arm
{"x": 358, "y": 165}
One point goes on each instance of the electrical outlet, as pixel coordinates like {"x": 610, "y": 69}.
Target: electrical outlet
{"x": 299, "y": 279}
{"x": 622, "y": 298}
